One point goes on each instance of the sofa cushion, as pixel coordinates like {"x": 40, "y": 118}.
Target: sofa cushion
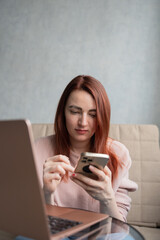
{"x": 142, "y": 142}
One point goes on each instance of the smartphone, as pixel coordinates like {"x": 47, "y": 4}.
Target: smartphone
{"x": 98, "y": 160}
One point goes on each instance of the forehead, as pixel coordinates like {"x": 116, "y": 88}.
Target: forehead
{"x": 81, "y": 99}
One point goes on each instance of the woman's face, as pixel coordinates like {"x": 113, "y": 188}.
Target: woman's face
{"x": 80, "y": 114}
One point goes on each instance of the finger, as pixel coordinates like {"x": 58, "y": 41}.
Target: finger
{"x": 88, "y": 188}
{"x": 107, "y": 171}
{"x": 66, "y": 167}
{"x": 55, "y": 169}
{"x": 52, "y": 163}
{"x": 99, "y": 173}
{"x": 52, "y": 176}
{"x": 49, "y": 163}
{"x": 58, "y": 158}
{"x": 61, "y": 168}
{"x": 85, "y": 180}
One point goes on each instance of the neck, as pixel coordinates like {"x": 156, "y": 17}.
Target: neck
{"x": 80, "y": 147}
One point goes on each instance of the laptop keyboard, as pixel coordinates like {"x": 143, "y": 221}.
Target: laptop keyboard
{"x": 57, "y": 225}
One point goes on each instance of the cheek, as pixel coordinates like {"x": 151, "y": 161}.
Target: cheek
{"x": 70, "y": 122}
{"x": 94, "y": 125}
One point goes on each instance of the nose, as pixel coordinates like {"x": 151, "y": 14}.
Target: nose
{"x": 83, "y": 119}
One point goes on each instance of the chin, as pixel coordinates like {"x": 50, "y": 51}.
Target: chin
{"x": 81, "y": 139}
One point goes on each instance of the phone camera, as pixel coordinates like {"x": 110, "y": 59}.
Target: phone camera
{"x": 86, "y": 169}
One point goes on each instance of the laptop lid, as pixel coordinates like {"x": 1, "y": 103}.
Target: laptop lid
{"x": 22, "y": 206}
{"x": 21, "y": 201}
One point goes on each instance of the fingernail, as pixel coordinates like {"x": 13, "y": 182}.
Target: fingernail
{"x": 90, "y": 166}
{"x": 73, "y": 175}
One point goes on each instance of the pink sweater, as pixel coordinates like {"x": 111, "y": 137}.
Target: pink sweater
{"x": 72, "y": 195}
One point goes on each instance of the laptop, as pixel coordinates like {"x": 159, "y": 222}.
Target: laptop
{"x": 22, "y": 207}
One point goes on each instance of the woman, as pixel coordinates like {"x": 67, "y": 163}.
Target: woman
{"x": 82, "y": 124}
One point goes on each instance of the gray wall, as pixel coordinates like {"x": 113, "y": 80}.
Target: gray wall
{"x": 45, "y": 43}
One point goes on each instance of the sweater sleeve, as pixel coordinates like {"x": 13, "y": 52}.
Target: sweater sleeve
{"x": 122, "y": 184}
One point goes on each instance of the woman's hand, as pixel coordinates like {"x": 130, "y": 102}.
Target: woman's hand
{"x": 54, "y": 169}
{"x": 100, "y": 189}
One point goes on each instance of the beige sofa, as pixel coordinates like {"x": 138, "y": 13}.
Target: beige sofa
{"x": 143, "y": 144}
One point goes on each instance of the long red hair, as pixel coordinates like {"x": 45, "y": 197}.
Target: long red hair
{"x": 103, "y": 112}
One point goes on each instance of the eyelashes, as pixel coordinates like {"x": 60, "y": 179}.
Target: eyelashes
{"x": 93, "y": 115}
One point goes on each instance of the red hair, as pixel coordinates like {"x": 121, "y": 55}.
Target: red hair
{"x": 99, "y": 139}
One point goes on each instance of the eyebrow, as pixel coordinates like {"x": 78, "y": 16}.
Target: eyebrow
{"x": 79, "y": 108}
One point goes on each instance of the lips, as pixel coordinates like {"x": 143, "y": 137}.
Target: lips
{"x": 81, "y": 131}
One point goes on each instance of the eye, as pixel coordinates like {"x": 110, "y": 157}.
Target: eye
{"x": 93, "y": 115}
{"x": 74, "y": 112}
